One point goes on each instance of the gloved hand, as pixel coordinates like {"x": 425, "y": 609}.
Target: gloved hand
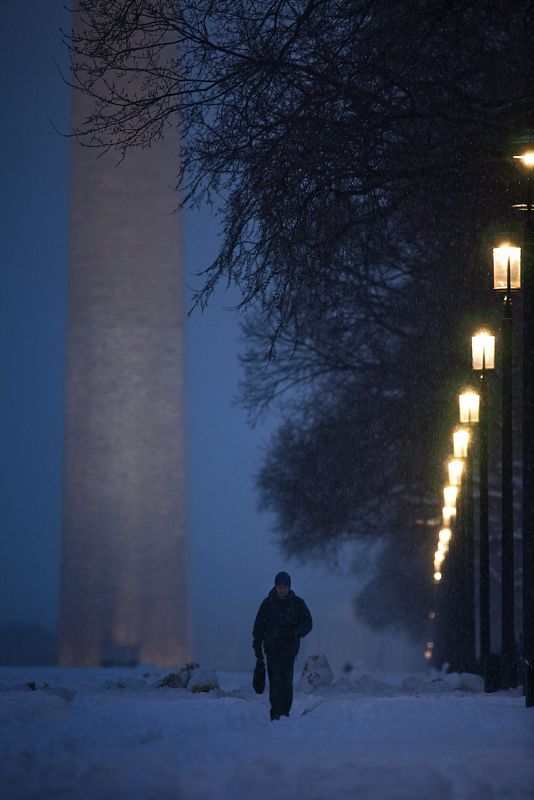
{"x": 258, "y": 678}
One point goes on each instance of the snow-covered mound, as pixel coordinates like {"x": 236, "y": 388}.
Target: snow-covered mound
{"x": 116, "y": 734}
{"x": 180, "y": 679}
{"x": 316, "y": 673}
{"x": 203, "y": 680}
{"x": 317, "y": 677}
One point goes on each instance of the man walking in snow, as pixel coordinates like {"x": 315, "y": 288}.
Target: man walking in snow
{"x": 282, "y": 620}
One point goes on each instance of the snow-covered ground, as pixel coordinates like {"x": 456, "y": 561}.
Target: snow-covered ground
{"x": 94, "y": 734}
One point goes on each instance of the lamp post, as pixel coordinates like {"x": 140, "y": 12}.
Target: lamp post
{"x": 483, "y": 356}
{"x": 447, "y": 633}
{"x": 469, "y": 403}
{"x": 448, "y": 619}
{"x": 526, "y": 158}
{"x": 461, "y": 468}
{"x": 455, "y": 572}
{"x": 507, "y": 277}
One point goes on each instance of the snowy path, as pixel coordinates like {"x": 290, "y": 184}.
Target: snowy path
{"x": 86, "y": 739}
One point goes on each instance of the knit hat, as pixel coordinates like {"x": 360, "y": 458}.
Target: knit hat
{"x": 282, "y": 579}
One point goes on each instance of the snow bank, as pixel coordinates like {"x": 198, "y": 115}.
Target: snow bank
{"x": 203, "y": 680}
{"x": 317, "y": 678}
{"x": 180, "y": 679}
{"x": 316, "y": 673}
{"x": 80, "y": 736}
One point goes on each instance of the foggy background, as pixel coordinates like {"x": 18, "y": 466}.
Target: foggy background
{"x": 233, "y": 558}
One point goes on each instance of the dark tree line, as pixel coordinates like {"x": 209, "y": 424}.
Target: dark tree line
{"x": 359, "y": 155}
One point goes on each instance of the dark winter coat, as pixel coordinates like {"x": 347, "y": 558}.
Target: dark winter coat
{"x": 280, "y": 624}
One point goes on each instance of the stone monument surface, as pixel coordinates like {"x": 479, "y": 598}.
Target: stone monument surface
{"x": 124, "y": 573}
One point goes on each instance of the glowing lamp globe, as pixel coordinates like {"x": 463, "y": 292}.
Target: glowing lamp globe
{"x": 483, "y": 351}
{"x": 449, "y": 515}
{"x": 527, "y": 159}
{"x": 469, "y": 407}
{"x": 461, "y": 439}
{"x": 445, "y": 535}
{"x": 455, "y": 468}
{"x": 506, "y": 267}
{"x": 450, "y": 495}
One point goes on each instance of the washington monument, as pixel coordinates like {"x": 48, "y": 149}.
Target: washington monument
{"x": 124, "y": 574}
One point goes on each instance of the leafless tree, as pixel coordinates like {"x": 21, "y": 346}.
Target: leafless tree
{"x": 357, "y": 152}
{"x": 305, "y": 119}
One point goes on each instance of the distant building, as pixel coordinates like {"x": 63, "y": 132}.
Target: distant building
{"x": 124, "y": 575}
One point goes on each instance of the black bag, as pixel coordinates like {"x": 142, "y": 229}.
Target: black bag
{"x": 258, "y": 679}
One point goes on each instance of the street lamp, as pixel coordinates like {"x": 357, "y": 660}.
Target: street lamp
{"x": 469, "y": 406}
{"x": 483, "y": 355}
{"x": 448, "y": 515}
{"x": 443, "y": 547}
{"x": 507, "y": 277}
{"x": 483, "y": 351}
{"x": 469, "y": 413}
{"x": 526, "y": 159}
{"x": 454, "y": 602}
{"x": 455, "y": 469}
{"x": 506, "y": 268}
{"x": 461, "y": 438}
{"x": 444, "y": 536}
{"x": 448, "y": 604}
{"x": 450, "y": 495}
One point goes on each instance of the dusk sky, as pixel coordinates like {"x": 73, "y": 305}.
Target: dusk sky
{"x": 233, "y": 558}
